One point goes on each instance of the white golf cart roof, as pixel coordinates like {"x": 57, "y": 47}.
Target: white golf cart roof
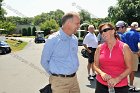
{"x": 39, "y": 31}
{"x": 2, "y": 29}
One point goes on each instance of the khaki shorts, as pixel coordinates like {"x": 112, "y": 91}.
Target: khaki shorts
{"x": 135, "y": 62}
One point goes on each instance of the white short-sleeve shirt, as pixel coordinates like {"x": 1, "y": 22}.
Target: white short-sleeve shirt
{"x": 91, "y": 40}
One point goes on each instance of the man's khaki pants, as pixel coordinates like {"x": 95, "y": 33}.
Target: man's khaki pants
{"x": 64, "y": 84}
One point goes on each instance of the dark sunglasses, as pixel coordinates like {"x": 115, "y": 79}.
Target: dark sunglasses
{"x": 105, "y": 30}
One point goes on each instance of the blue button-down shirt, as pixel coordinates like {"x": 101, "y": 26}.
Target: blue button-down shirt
{"x": 132, "y": 38}
{"x": 59, "y": 55}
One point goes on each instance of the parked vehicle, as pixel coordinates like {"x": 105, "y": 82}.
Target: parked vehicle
{"x": 39, "y": 38}
{"x": 4, "y": 47}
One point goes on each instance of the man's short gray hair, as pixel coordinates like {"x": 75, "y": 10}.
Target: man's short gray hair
{"x": 68, "y": 16}
{"x": 90, "y": 26}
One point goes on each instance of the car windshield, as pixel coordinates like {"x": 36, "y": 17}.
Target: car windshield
{"x": 40, "y": 35}
{"x": 3, "y": 43}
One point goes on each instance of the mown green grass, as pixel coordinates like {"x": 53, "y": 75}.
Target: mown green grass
{"x": 16, "y": 45}
{"x": 28, "y": 36}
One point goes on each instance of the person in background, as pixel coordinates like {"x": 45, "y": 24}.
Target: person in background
{"x": 59, "y": 56}
{"x": 112, "y": 62}
{"x": 100, "y": 39}
{"x": 121, "y": 27}
{"x": 90, "y": 43}
{"x": 132, "y": 38}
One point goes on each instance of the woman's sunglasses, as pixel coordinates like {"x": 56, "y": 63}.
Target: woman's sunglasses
{"x": 105, "y": 30}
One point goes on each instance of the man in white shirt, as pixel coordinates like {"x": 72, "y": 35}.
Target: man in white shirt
{"x": 90, "y": 42}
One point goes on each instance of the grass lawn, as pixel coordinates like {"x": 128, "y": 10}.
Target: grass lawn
{"x": 28, "y": 36}
{"x": 16, "y": 45}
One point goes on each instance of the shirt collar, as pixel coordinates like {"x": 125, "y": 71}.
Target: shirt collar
{"x": 133, "y": 30}
{"x": 90, "y": 33}
{"x": 119, "y": 32}
{"x": 63, "y": 35}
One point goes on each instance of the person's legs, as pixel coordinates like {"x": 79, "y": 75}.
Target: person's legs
{"x": 89, "y": 64}
{"x": 93, "y": 71}
{"x": 64, "y": 84}
{"x": 59, "y": 84}
{"x": 121, "y": 89}
{"x": 75, "y": 86}
{"x": 131, "y": 77}
{"x": 101, "y": 88}
{"x": 88, "y": 68}
{"x": 132, "y": 74}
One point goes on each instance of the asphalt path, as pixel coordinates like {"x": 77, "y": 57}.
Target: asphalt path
{"x": 21, "y": 72}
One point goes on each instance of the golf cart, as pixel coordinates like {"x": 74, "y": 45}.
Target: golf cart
{"x": 4, "y": 46}
{"x": 39, "y": 38}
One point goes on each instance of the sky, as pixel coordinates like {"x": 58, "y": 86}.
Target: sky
{"x": 31, "y": 8}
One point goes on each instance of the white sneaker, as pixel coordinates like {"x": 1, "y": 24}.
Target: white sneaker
{"x": 90, "y": 77}
{"x": 133, "y": 89}
{"x": 94, "y": 75}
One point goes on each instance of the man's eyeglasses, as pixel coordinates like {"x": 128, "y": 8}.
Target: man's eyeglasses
{"x": 105, "y": 30}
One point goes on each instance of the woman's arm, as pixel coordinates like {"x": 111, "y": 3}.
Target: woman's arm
{"x": 128, "y": 62}
{"x": 96, "y": 65}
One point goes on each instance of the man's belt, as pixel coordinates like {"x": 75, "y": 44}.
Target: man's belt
{"x": 62, "y": 75}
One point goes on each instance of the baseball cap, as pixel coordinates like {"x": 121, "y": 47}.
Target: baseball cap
{"x": 121, "y": 24}
{"x": 134, "y": 24}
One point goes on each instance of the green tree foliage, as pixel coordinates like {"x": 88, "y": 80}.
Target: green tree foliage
{"x": 2, "y": 11}
{"x": 40, "y": 18}
{"x": 19, "y": 21}
{"x": 97, "y": 21}
{"x": 59, "y": 13}
{"x": 24, "y": 32}
{"x": 49, "y": 25}
{"x": 33, "y": 31}
{"x": 56, "y": 15}
{"x": 85, "y": 16}
{"x": 127, "y": 10}
{"x": 8, "y": 26}
{"x": 29, "y": 31}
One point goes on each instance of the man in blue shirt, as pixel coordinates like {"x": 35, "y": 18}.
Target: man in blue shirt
{"x": 100, "y": 39}
{"x": 132, "y": 38}
{"x": 121, "y": 27}
{"x": 59, "y": 56}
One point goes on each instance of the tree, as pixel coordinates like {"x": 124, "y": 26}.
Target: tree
{"x": 8, "y": 26}
{"x": 85, "y": 16}
{"x": 29, "y": 31}
{"x": 33, "y": 30}
{"x": 40, "y": 18}
{"x": 19, "y": 20}
{"x": 24, "y": 32}
{"x": 49, "y": 25}
{"x": 56, "y": 15}
{"x": 2, "y": 11}
{"x": 126, "y": 10}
